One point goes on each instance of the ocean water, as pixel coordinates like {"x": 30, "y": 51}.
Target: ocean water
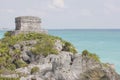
{"x": 104, "y": 42}
{"x": 2, "y": 33}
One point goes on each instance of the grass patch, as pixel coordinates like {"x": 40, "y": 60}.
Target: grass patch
{"x": 34, "y": 70}
{"x": 10, "y": 57}
{"x": 5, "y": 78}
{"x": 91, "y": 55}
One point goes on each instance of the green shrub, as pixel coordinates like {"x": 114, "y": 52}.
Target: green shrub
{"x": 95, "y": 57}
{"x": 91, "y": 55}
{"x": 6, "y": 78}
{"x": 34, "y": 70}
{"x": 20, "y": 63}
{"x": 6, "y": 71}
{"x": 105, "y": 65}
{"x": 17, "y": 51}
{"x": 69, "y": 47}
{"x": 7, "y": 34}
{"x": 85, "y": 53}
{"x": 44, "y": 47}
{"x": 10, "y": 67}
{"x": 3, "y": 48}
{"x": 2, "y": 62}
{"x": 45, "y": 40}
{"x": 10, "y": 57}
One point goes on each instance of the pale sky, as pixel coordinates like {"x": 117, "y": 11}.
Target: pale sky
{"x": 63, "y": 14}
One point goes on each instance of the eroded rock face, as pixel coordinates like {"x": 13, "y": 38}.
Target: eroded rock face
{"x": 44, "y": 57}
{"x": 66, "y": 66}
{"x": 58, "y": 45}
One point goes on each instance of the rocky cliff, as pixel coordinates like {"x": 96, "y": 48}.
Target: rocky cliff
{"x": 35, "y": 56}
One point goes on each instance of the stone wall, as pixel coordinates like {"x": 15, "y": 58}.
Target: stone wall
{"x": 28, "y": 23}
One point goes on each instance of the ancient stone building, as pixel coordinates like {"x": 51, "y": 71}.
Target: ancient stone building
{"x": 28, "y": 23}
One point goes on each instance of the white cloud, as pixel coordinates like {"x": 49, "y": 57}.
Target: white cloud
{"x": 58, "y": 3}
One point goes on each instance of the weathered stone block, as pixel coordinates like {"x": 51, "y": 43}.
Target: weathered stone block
{"x": 28, "y": 23}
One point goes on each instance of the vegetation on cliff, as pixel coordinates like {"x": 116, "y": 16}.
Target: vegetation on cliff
{"x": 91, "y": 55}
{"x": 20, "y": 54}
{"x": 10, "y": 56}
{"x": 34, "y": 70}
{"x": 5, "y": 78}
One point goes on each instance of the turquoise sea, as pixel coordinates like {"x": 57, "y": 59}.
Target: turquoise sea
{"x": 103, "y": 42}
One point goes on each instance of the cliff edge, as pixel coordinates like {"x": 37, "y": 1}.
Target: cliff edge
{"x": 28, "y": 53}
{"x": 39, "y": 56}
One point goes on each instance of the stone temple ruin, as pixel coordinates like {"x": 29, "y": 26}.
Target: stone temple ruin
{"x": 26, "y": 24}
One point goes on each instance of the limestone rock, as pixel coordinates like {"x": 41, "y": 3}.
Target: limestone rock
{"x": 58, "y": 45}
{"x": 63, "y": 66}
{"x": 66, "y": 66}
